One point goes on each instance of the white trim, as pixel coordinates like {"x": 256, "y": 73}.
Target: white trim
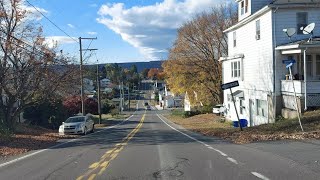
{"x": 236, "y": 56}
{"x": 295, "y": 51}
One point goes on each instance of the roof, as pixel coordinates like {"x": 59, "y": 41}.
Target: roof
{"x": 301, "y": 44}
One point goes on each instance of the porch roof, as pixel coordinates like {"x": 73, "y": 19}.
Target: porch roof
{"x": 298, "y": 46}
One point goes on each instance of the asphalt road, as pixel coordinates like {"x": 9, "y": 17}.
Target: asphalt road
{"x": 147, "y": 146}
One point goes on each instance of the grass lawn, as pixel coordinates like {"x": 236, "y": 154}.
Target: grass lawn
{"x": 210, "y": 125}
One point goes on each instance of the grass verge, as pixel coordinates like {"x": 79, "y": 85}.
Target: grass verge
{"x": 210, "y": 125}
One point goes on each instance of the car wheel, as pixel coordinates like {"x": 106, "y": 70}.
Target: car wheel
{"x": 92, "y": 130}
{"x": 85, "y": 131}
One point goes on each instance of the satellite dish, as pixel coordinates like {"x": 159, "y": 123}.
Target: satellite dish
{"x": 290, "y": 32}
{"x": 308, "y": 30}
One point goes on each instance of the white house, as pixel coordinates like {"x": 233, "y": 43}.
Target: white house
{"x": 104, "y": 82}
{"x": 257, "y": 46}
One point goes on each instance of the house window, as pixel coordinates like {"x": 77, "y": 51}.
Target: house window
{"x": 242, "y": 107}
{"x": 302, "y": 21}
{"x": 309, "y": 66}
{"x": 261, "y": 108}
{"x": 257, "y": 29}
{"x": 235, "y": 69}
{"x": 229, "y": 97}
{"x": 234, "y": 39}
{"x": 242, "y": 7}
{"x": 318, "y": 65}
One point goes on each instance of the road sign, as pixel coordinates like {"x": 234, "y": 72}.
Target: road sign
{"x": 288, "y": 61}
{"x": 229, "y": 85}
{"x": 289, "y": 65}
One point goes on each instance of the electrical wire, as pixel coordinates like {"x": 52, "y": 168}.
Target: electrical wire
{"x": 51, "y": 22}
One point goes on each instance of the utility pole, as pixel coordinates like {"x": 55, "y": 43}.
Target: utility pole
{"x": 81, "y": 73}
{"x": 99, "y": 99}
{"x": 129, "y": 95}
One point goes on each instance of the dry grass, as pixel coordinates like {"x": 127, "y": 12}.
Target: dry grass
{"x": 210, "y": 125}
{"x": 28, "y": 138}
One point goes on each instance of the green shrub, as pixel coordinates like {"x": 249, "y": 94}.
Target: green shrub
{"x": 4, "y": 131}
{"x": 206, "y": 109}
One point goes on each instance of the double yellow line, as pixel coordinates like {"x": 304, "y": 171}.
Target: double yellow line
{"x": 97, "y": 168}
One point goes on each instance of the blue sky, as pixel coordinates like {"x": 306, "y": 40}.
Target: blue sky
{"x": 127, "y": 30}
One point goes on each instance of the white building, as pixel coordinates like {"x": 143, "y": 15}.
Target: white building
{"x": 257, "y": 46}
{"x": 104, "y": 82}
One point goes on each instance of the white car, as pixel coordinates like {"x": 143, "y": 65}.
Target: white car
{"x": 217, "y": 109}
{"x": 77, "y": 125}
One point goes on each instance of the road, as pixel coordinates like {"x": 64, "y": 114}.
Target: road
{"x": 148, "y": 146}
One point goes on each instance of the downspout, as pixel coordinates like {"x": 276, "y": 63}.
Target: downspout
{"x": 274, "y": 64}
{"x": 305, "y": 78}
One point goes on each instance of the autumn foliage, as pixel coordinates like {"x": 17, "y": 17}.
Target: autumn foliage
{"x": 193, "y": 65}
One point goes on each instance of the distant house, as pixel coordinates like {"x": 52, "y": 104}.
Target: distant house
{"x": 188, "y": 106}
{"x": 257, "y": 46}
{"x": 104, "y": 82}
{"x": 88, "y": 86}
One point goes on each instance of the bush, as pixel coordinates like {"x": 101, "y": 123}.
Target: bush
{"x": 206, "y": 109}
{"x": 106, "y": 107}
{"x": 49, "y": 114}
{"x": 73, "y": 105}
{"x": 114, "y": 112}
{"x": 4, "y": 131}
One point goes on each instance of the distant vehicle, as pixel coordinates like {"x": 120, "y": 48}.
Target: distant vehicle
{"x": 218, "y": 109}
{"x": 146, "y": 104}
{"x": 77, "y": 125}
{"x": 148, "y": 107}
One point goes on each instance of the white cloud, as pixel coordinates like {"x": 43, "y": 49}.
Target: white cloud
{"x": 152, "y": 29}
{"x": 70, "y": 25}
{"x": 53, "y": 41}
{"x": 92, "y": 33}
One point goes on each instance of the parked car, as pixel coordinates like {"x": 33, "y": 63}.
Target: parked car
{"x": 218, "y": 109}
{"x": 77, "y": 125}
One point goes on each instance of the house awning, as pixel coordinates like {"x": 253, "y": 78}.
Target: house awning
{"x": 298, "y": 46}
{"x": 238, "y": 93}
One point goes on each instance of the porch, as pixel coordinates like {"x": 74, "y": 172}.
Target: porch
{"x": 313, "y": 92}
{"x": 305, "y": 73}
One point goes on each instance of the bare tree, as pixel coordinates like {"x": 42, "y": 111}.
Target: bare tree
{"x": 29, "y": 70}
{"x": 193, "y": 64}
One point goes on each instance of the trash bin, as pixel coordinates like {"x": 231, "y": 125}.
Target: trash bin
{"x": 235, "y": 124}
{"x": 243, "y": 122}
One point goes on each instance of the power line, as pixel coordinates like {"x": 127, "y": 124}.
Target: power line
{"x": 51, "y": 21}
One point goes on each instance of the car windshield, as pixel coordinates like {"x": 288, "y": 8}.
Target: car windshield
{"x": 75, "y": 119}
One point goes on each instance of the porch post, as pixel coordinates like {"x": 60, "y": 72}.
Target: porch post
{"x": 305, "y": 78}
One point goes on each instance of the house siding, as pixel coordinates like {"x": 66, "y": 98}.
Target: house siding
{"x": 286, "y": 18}
{"x": 257, "y": 66}
{"x": 258, "y": 4}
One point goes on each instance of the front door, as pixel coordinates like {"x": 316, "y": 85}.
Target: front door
{"x": 252, "y": 111}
